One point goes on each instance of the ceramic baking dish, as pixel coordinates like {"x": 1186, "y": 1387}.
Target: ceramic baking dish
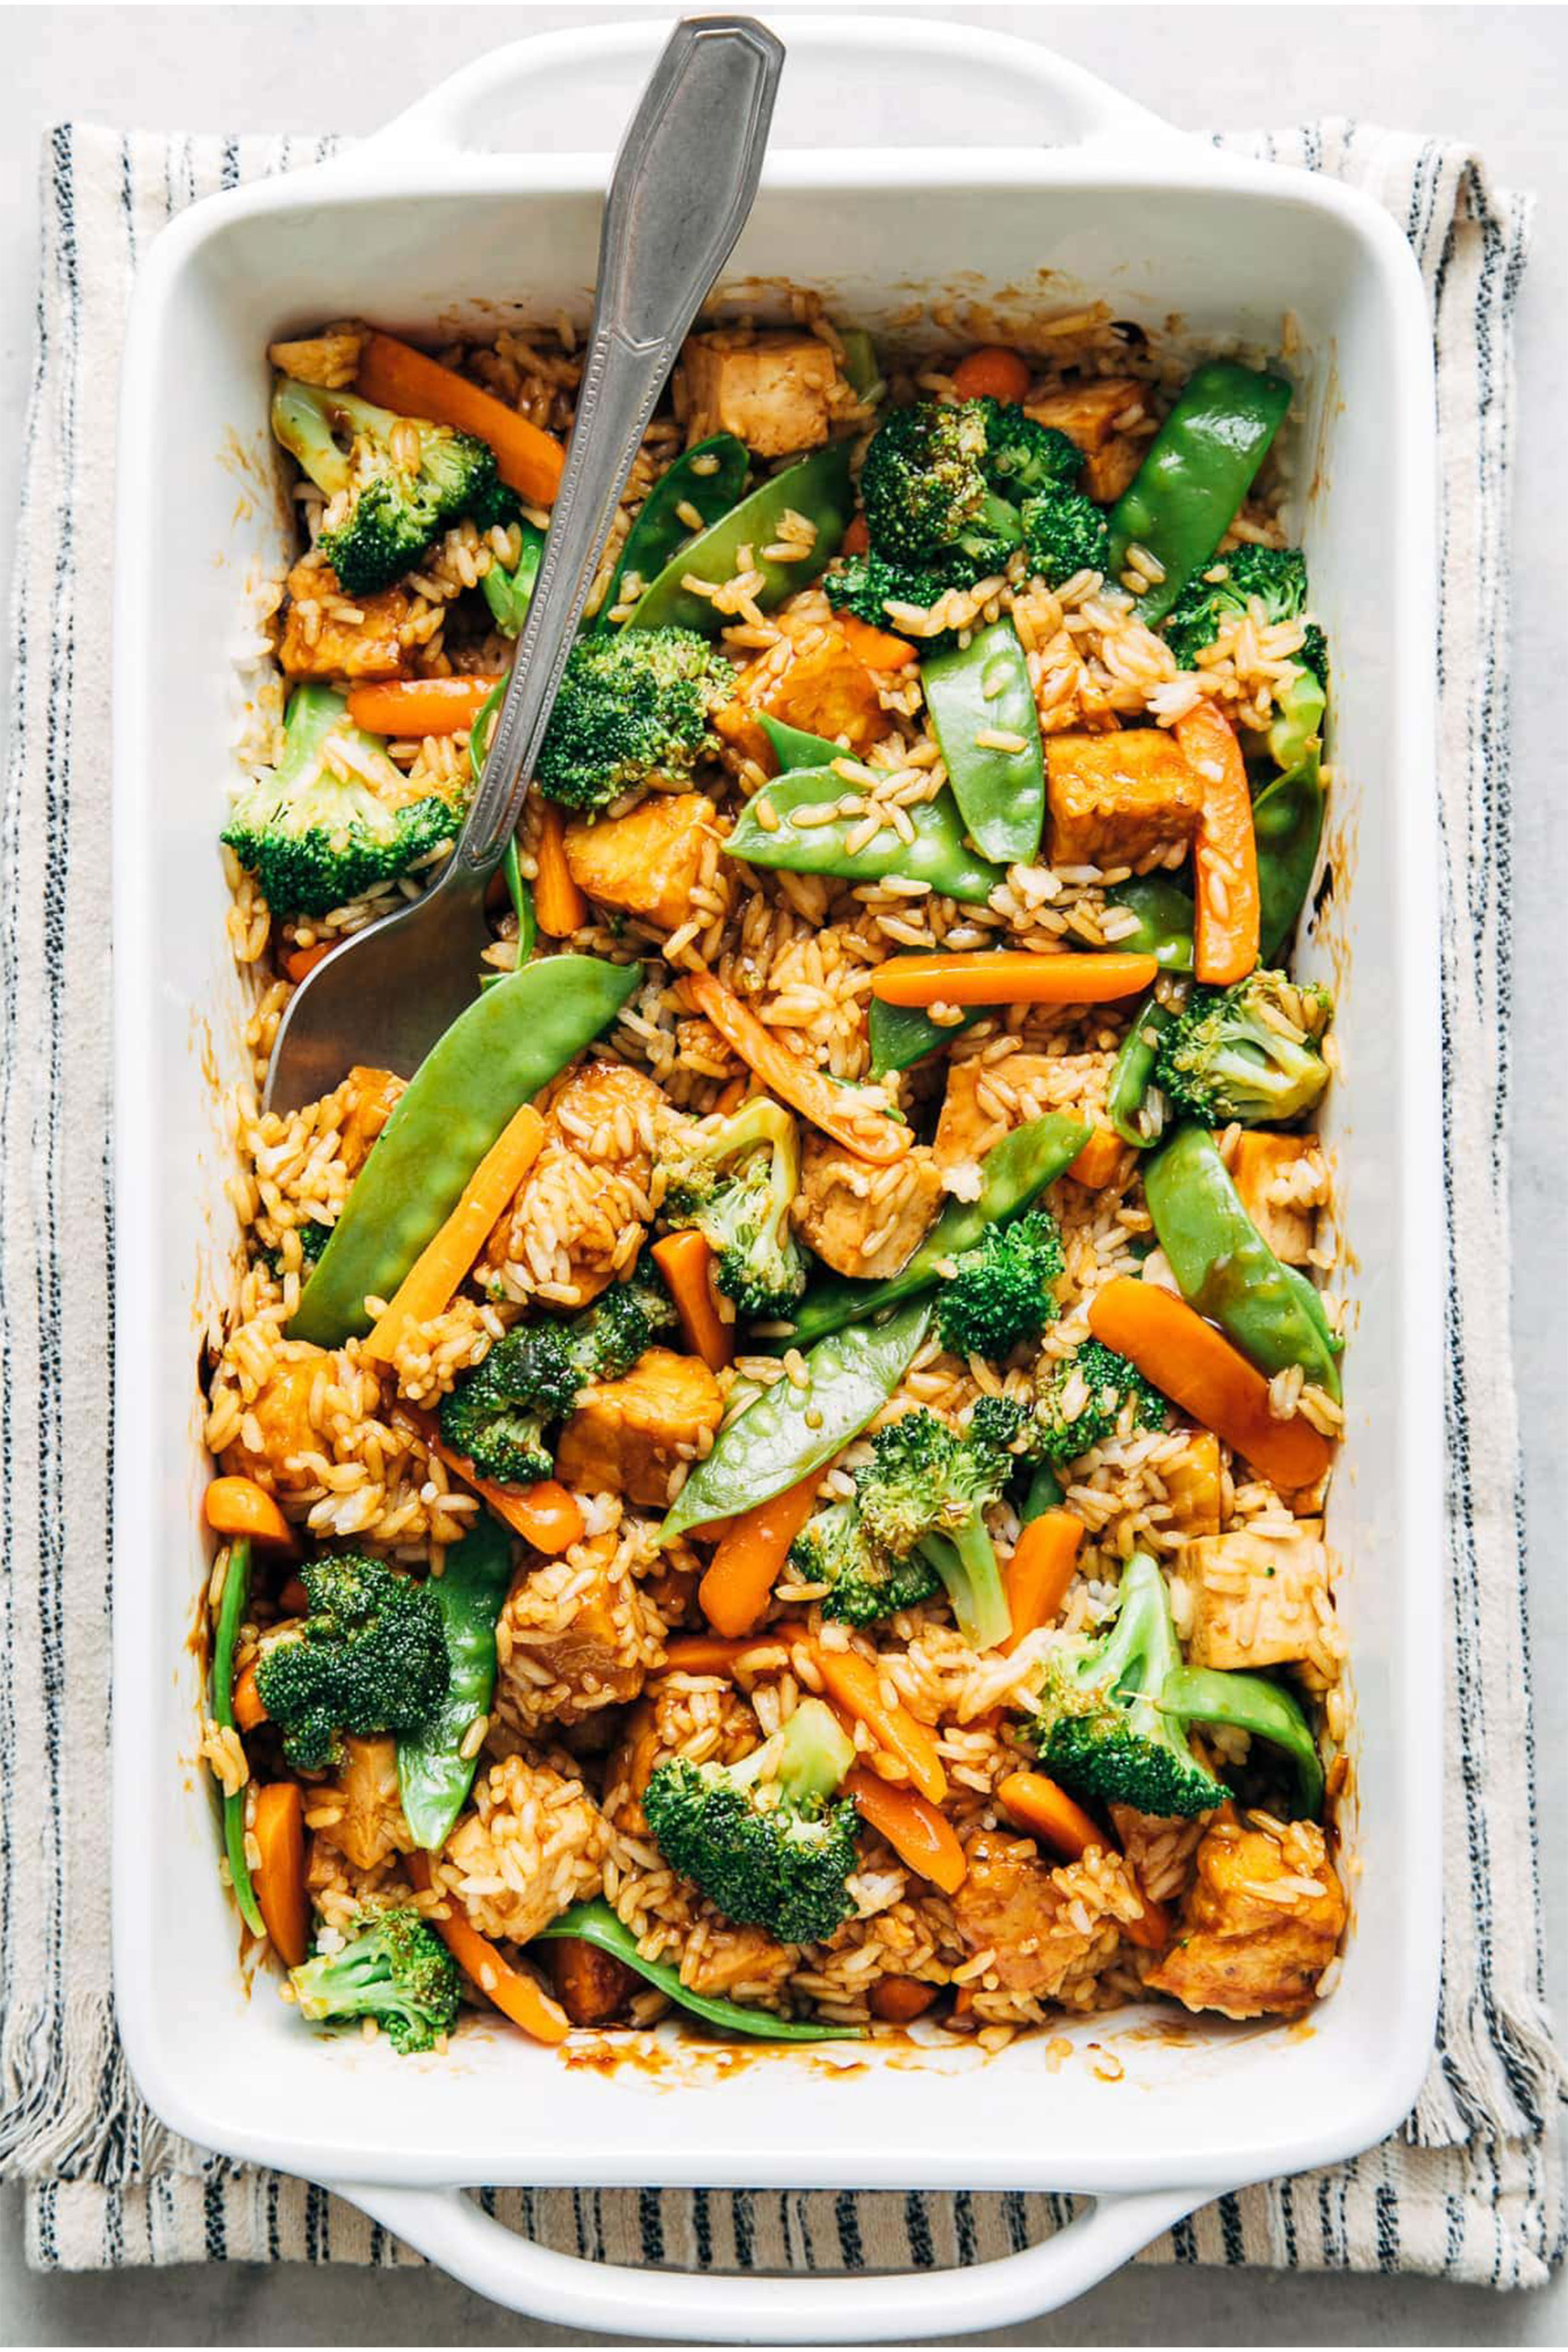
{"x": 1006, "y": 176}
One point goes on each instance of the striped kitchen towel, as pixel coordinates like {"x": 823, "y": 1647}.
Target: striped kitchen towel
{"x": 1471, "y": 2187}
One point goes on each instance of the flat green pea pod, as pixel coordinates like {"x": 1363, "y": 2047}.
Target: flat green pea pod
{"x": 1013, "y": 1173}
{"x": 1252, "y": 1703}
{"x": 982, "y": 714}
{"x": 788, "y": 1431}
{"x": 1045, "y": 1493}
{"x": 708, "y": 478}
{"x": 817, "y": 488}
{"x": 1132, "y": 1072}
{"x": 792, "y": 747}
{"x": 1288, "y": 823}
{"x": 509, "y": 593}
{"x": 901, "y": 1034}
{"x": 434, "y": 1774}
{"x": 1164, "y": 912}
{"x": 220, "y": 1706}
{"x": 594, "y": 1922}
{"x": 937, "y": 855}
{"x": 1198, "y": 470}
{"x": 496, "y": 1056}
{"x": 1225, "y": 1268}
{"x": 863, "y": 372}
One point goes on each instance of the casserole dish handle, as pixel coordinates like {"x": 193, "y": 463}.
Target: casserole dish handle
{"x": 451, "y": 2230}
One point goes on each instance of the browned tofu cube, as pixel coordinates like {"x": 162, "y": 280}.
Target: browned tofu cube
{"x": 592, "y": 1986}
{"x": 647, "y": 863}
{"x": 1108, "y": 471}
{"x": 1192, "y": 1483}
{"x": 772, "y": 394}
{"x": 859, "y": 1218}
{"x": 1260, "y": 1923}
{"x": 828, "y": 691}
{"x": 1117, "y": 797}
{"x": 369, "y": 1824}
{"x": 627, "y": 1435}
{"x": 985, "y": 1099}
{"x": 1281, "y": 1179}
{"x": 321, "y": 640}
{"x": 1259, "y": 1600}
{"x": 1088, "y": 413}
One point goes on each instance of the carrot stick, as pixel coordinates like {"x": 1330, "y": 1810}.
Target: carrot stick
{"x": 419, "y": 705}
{"x": 1037, "y": 1805}
{"x": 249, "y": 1707}
{"x": 1035, "y": 1579}
{"x": 994, "y": 978}
{"x": 687, "y": 1262}
{"x": 514, "y": 1994}
{"x": 1227, "y": 910}
{"x": 918, "y": 1833}
{"x": 397, "y": 377}
{"x": 739, "y": 1582}
{"x": 898, "y": 2001}
{"x": 558, "y": 904}
{"x": 854, "y": 1681}
{"x": 544, "y": 1514}
{"x": 1199, "y": 1369}
{"x": 426, "y": 1290}
{"x": 1100, "y": 1158}
{"x": 278, "y": 1828}
{"x": 299, "y": 962}
{"x": 721, "y": 1653}
{"x": 234, "y": 1506}
{"x": 878, "y": 648}
{"x": 796, "y": 1081}
{"x": 857, "y": 539}
{"x": 991, "y": 369}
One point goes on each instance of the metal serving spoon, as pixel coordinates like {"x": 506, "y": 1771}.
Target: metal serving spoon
{"x": 683, "y": 184}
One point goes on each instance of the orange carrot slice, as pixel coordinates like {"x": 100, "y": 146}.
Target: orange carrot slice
{"x": 687, "y": 1262}
{"x": 878, "y": 648}
{"x": 419, "y": 705}
{"x": 299, "y": 962}
{"x": 544, "y": 1514}
{"x": 721, "y": 1653}
{"x": 1037, "y": 1805}
{"x": 558, "y": 904}
{"x": 279, "y": 1878}
{"x": 1037, "y": 1577}
{"x": 739, "y": 1582}
{"x": 426, "y": 1290}
{"x": 991, "y": 369}
{"x": 854, "y": 1681}
{"x": 250, "y": 1708}
{"x": 514, "y": 1994}
{"x": 1099, "y": 1160}
{"x": 1009, "y": 978}
{"x": 898, "y": 2001}
{"x": 1227, "y": 910}
{"x": 794, "y": 1080}
{"x": 397, "y": 376}
{"x": 918, "y": 1833}
{"x": 234, "y": 1506}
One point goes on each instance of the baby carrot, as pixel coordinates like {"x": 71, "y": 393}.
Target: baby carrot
{"x": 514, "y": 1992}
{"x": 419, "y": 705}
{"x": 687, "y": 1262}
{"x": 992, "y": 978}
{"x": 739, "y": 1582}
{"x": 918, "y": 1833}
{"x": 234, "y": 1506}
{"x": 397, "y": 376}
{"x": 278, "y": 1828}
{"x": 991, "y": 369}
{"x": 1226, "y": 914}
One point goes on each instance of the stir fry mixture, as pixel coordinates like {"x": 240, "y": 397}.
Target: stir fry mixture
{"x": 781, "y": 1471}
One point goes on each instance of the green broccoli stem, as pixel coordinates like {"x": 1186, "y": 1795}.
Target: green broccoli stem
{"x": 965, "y": 1558}
{"x": 1250, "y": 1702}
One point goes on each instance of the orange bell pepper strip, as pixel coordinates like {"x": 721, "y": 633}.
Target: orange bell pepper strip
{"x": 795, "y": 1080}
{"x": 419, "y": 705}
{"x": 739, "y": 1582}
{"x": 855, "y": 1683}
{"x": 1012, "y": 978}
{"x": 991, "y": 369}
{"x": 1037, "y": 1805}
{"x": 234, "y": 1506}
{"x": 1197, "y": 1368}
{"x": 426, "y": 1290}
{"x": 687, "y": 1262}
{"x": 1226, "y": 909}
{"x": 278, "y": 1879}
{"x": 559, "y": 905}
{"x": 394, "y": 375}
{"x": 918, "y": 1833}
{"x": 1035, "y": 1580}
{"x": 514, "y": 1994}
{"x": 544, "y": 1514}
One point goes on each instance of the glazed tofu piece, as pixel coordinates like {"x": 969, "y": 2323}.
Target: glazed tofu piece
{"x": 627, "y": 1435}
{"x": 332, "y": 359}
{"x": 1115, "y": 798}
{"x": 370, "y": 1826}
{"x": 375, "y": 1095}
{"x": 985, "y": 1099}
{"x": 592, "y": 1986}
{"x": 576, "y": 1636}
{"x": 861, "y": 1219}
{"x": 1090, "y": 413}
{"x": 722, "y": 1959}
{"x": 319, "y": 643}
{"x": 773, "y": 394}
{"x": 828, "y": 691}
{"x": 1282, "y": 1180}
{"x": 1258, "y": 1600}
{"x": 1014, "y": 1906}
{"x": 286, "y": 1424}
{"x": 1261, "y": 1922}
{"x": 533, "y": 1843}
{"x": 1109, "y": 470}
{"x": 647, "y": 863}
{"x": 1193, "y": 1486}
{"x": 577, "y": 1218}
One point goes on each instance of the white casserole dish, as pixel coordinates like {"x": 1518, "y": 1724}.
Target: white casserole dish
{"x": 419, "y": 226}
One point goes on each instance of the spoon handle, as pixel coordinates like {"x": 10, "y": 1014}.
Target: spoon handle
{"x": 683, "y": 184}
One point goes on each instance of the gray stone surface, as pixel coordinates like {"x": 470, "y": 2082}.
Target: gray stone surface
{"x": 1492, "y": 75}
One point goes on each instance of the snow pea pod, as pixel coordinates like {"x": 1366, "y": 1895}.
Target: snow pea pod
{"x": 1133, "y": 1071}
{"x": 1011, "y": 1174}
{"x": 434, "y": 1774}
{"x": 817, "y": 488}
{"x": 220, "y": 1705}
{"x": 861, "y": 372}
{"x": 792, "y": 747}
{"x": 1045, "y": 1492}
{"x": 1251, "y": 1702}
{"x": 904, "y": 1033}
{"x": 1198, "y": 468}
{"x": 1288, "y": 822}
{"x": 509, "y": 593}
{"x": 594, "y": 1922}
{"x": 495, "y": 1056}
{"x": 1225, "y": 1268}
{"x": 979, "y": 688}
{"x": 789, "y": 1431}
{"x": 1164, "y": 911}
{"x": 660, "y": 532}
{"x": 937, "y": 855}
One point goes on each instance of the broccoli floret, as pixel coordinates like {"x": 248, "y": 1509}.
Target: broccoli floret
{"x": 314, "y": 1239}
{"x": 334, "y": 816}
{"x": 1024, "y": 459}
{"x": 1114, "y": 1707}
{"x": 406, "y": 479}
{"x": 1251, "y": 1054}
{"x": 395, "y": 1969}
{"x": 930, "y": 498}
{"x": 864, "y": 1583}
{"x": 370, "y": 1656}
{"x": 1277, "y": 578}
{"x": 1082, "y": 1403}
{"x": 636, "y": 707}
{"x": 1064, "y": 534}
{"x": 496, "y": 1415}
{"x": 866, "y": 585}
{"x": 735, "y": 1180}
{"x": 762, "y": 1839}
{"x": 926, "y": 1488}
{"x": 1000, "y": 1291}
